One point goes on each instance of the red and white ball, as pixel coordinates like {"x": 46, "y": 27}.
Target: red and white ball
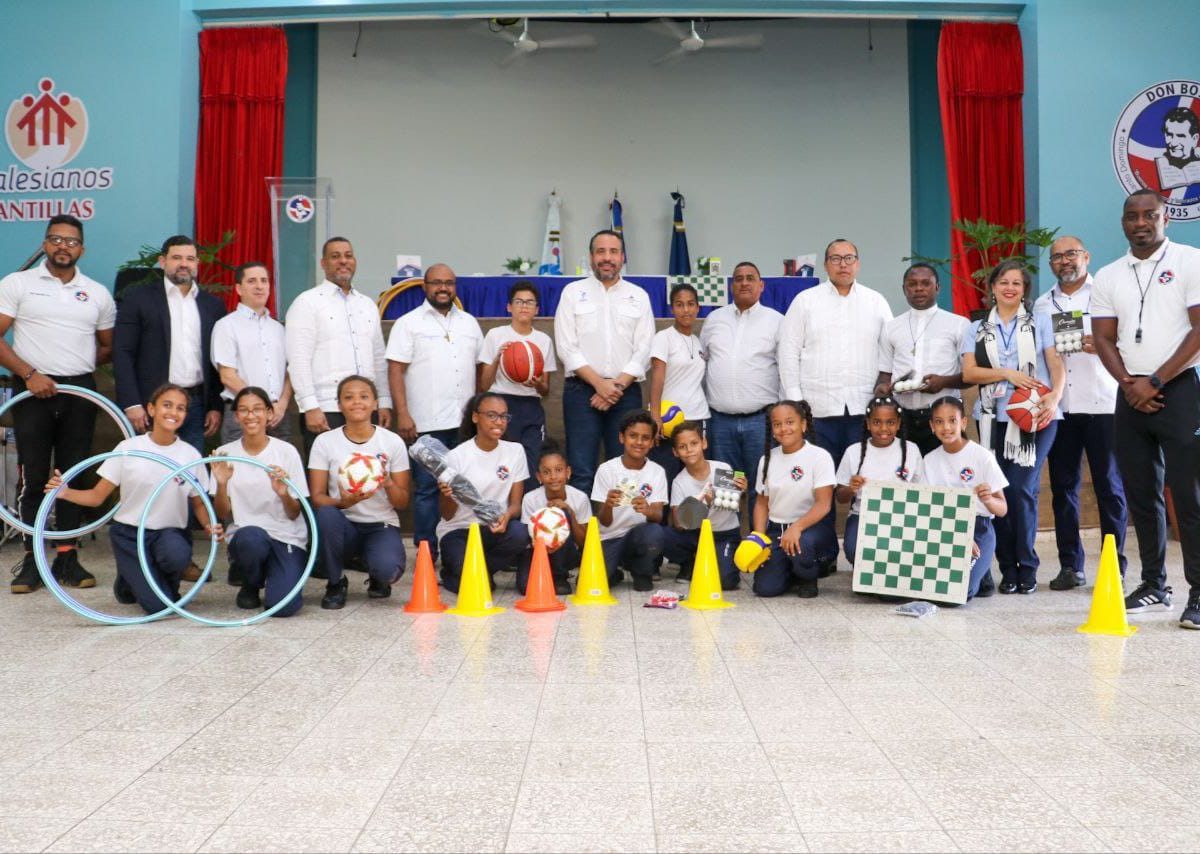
{"x": 1022, "y": 404}
{"x": 522, "y": 361}
{"x": 551, "y": 526}
{"x": 360, "y": 474}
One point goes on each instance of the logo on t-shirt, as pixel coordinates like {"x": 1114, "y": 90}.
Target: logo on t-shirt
{"x": 1166, "y": 277}
{"x": 967, "y": 474}
{"x": 502, "y": 472}
{"x": 903, "y": 473}
{"x": 82, "y": 296}
{"x": 645, "y": 489}
{"x": 797, "y": 473}
{"x": 383, "y": 460}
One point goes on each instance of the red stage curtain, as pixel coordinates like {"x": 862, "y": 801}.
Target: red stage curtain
{"x": 243, "y": 72}
{"x": 980, "y": 83}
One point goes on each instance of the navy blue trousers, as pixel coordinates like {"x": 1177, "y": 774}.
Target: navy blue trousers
{"x": 527, "y": 428}
{"x": 774, "y": 577}
{"x": 425, "y": 496}
{"x": 637, "y": 551}
{"x": 835, "y": 434}
{"x": 499, "y": 551}
{"x": 562, "y": 560}
{"x": 270, "y": 566}
{"x": 587, "y": 428}
{"x": 681, "y": 548}
{"x": 1016, "y": 532}
{"x": 381, "y": 546}
{"x": 168, "y": 553}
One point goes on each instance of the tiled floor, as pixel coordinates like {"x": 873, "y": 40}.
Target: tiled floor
{"x": 784, "y": 725}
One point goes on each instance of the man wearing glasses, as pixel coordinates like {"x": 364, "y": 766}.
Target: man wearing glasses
{"x": 62, "y": 324}
{"x": 1087, "y": 425}
{"x": 431, "y": 354}
{"x": 829, "y": 352}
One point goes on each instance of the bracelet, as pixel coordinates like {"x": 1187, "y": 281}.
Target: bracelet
{"x": 32, "y": 371}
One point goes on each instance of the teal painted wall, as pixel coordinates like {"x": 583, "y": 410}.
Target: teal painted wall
{"x": 930, "y": 195}
{"x": 298, "y": 272}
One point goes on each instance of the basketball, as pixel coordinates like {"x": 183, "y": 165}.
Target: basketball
{"x": 522, "y": 361}
{"x": 359, "y": 474}
{"x": 1021, "y": 405}
{"x": 551, "y": 526}
{"x": 672, "y": 416}
{"x": 752, "y": 551}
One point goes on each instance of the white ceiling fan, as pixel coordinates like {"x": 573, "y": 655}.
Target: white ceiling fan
{"x": 525, "y": 45}
{"x": 690, "y": 41}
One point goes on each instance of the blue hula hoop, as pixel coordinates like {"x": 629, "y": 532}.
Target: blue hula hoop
{"x": 14, "y": 521}
{"x": 39, "y": 542}
{"x": 178, "y": 607}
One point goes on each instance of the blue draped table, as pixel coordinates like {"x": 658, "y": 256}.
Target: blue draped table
{"x": 487, "y": 296}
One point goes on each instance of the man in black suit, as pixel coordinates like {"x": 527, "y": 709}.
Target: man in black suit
{"x": 162, "y": 335}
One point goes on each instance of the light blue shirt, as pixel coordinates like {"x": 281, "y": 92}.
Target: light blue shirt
{"x": 1006, "y": 346}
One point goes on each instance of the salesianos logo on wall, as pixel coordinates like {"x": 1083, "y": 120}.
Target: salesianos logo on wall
{"x": 46, "y": 130}
{"x": 1156, "y": 144}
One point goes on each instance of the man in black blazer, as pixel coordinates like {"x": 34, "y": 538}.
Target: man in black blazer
{"x": 162, "y": 335}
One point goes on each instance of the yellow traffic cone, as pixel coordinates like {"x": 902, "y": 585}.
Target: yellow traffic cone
{"x": 1107, "y": 616}
{"x": 592, "y": 586}
{"x": 704, "y": 593}
{"x": 474, "y": 589}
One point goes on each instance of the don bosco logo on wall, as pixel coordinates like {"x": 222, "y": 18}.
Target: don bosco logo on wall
{"x": 1156, "y": 145}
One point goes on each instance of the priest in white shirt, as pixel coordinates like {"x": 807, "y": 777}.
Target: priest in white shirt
{"x": 921, "y": 345}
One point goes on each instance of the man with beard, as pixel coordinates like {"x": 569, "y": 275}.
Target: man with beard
{"x": 1087, "y": 424}
{"x": 431, "y": 357}
{"x": 603, "y": 329}
{"x": 332, "y": 332}
{"x": 61, "y": 324}
{"x": 162, "y": 335}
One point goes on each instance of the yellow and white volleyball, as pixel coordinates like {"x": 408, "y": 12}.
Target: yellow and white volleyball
{"x": 551, "y": 526}
{"x": 359, "y": 474}
{"x": 752, "y": 551}
{"x": 672, "y": 416}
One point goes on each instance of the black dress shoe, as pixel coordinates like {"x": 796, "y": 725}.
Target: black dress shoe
{"x": 378, "y": 589}
{"x": 807, "y": 589}
{"x": 987, "y": 587}
{"x": 1067, "y": 579}
{"x": 642, "y": 583}
{"x": 1007, "y": 587}
{"x": 248, "y": 599}
{"x": 1027, "y": 587}
{"x": 335, "y": 595}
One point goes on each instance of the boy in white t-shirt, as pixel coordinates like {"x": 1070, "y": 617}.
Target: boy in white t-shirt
{"x": 629, "y": 493}
{"x": 553, "y": 473}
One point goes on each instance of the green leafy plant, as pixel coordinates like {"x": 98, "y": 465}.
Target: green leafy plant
{"x": 520, "y": 265}
{"x": 208, "y": 253}
{"x": 987, "y": 244}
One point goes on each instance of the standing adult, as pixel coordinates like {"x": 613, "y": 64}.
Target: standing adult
{"x": 922, "y": 345}
{"x": 603, "y": 327}
{"x": 1087, "y": 405}
{"x": 741, "y": 377}
{"x": 61, "y": 324}
{"x": 333, "y": 332}
{"x": 163, "y": 334}
{"x": 432, "y": 353}
{"x": 249, "y": 349}
{"x": 1146, "y": 328}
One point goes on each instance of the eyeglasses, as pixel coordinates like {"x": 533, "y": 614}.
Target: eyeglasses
{"x": 841, "y": 259}
{"x": 59, "y": 240}
{"x": 494, "y": 417}
{"x": 257, "y": 410}
{"x": 1069, "y": 255}
{"x": 449, "y": 283}
{"x": 524, "y": 303}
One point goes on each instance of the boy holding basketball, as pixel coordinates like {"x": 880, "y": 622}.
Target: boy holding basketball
{"x": 524, "y": 392}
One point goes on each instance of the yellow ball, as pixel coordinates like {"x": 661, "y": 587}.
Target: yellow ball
{"x": 752, "y": 551}
{"x": 672, "y": 416}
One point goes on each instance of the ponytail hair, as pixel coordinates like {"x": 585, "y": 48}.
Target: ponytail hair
{"x": 901, "y": 434}
{"x": 801, "y": 408}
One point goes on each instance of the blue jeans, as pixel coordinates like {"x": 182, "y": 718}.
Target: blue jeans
{"x": 270, "y": 564}
{"x": 985, "y": 538}
{"x": 739, "y": 440}
{"x": 425, "y": 496}
{"x": 1079, "y": 433}
{"x": 192, "y": 429}
{"x": 835, "y": 434}
{"x": 1016, "y": 532}
{"x": 773, "y": 578}
{"x": 587, "y": 427}
{"x": 681, "y": 547}
{"x": 168, "y": 553}
{"x": 636, "y": 551}
{"x": 381, "y": 546}
{"x": 499, "y": 551}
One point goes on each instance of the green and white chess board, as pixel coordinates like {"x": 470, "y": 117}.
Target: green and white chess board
{"x": 915, "y": 541}
{"x": 710, "y": 290}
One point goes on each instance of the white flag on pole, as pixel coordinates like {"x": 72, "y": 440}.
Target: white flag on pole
{"x": 552, "y": 249}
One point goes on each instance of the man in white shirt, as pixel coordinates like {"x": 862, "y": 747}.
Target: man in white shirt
{"x": 741, "y": 376}
{"x": 61, "y": 324}
{"x": 603, "y": 328}
{"x": 921, "y": 344}
{"x": 248, "y": 348}
{"x": 1087, "y": 424}
{"x": 1146, "y": 330}
{"x": 333, "y": 331}
{"x": 431, "y": 357}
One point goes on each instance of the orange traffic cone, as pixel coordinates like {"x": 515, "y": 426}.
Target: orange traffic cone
{"x": 426, "y": 598}
{"x": 539, "y": 591}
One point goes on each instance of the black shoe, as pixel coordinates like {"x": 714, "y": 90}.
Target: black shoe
{"x": 122, "y": 592}
{"x": 69, "y": 573}
{"x": 1007, "y": 587}
{"x": 335, "y": 595}
{"x": 237, "y": 578}
{"x": 987, "y": 586}
{"x": 25, "y": 575}
{"x": 562, "y": 588}
{"x": 806, "y": 589}
{"x": 642, "y": 583}
{"x": 1190, "y": 618}
{"x": 378, "y": 589}
{"x": 1067, "y": 579}
{"x": 827, "y": 568}
{"x": 1027, "y": 587}
{"x": 247, "y": 598}
{"x": 1145, "y": 598}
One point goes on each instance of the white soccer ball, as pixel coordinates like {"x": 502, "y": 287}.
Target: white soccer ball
{"x": 551, "y": 526}
{"x": 360, "y": 474}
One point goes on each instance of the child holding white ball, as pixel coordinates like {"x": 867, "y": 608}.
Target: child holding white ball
{"x": 361, "y": 523}
{"x": 553, "y": 474}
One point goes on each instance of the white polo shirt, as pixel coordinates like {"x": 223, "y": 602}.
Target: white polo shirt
{"x": 651, "y": 482}
{"x": 1090, "y": 388}
{"x": 330, "y": 336}
{"x": 609, "y": 329}
{"x": 742, "y": 374}
{"x": 499, "y": 336}
{"x": 54, "y": 324}
{"x": 922, "y": 342}
{"x": 333, "y": 447}
{"x": 492, "y": 472}
{"x": 791, "y": 480}
{"x": 683, "y": 383}
{"x": 967, "y": 469}
{"x": 882, "y": 464}
{"x": 829, "y": 348}
{"x": 576, "y": 499}
{"x": 186, "y": 367}
{"x": 1170, "y": 279}
{"x": 254, "y": 345}
{"x": 440, "y": 351}
{"x": 685, "y": 486}
{"x": 137, "y": 478}
{"x": 252, "y": 497}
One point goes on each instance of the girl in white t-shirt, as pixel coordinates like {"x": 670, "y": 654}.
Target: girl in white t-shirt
{"x": 268, "y": 549}
{"x": 884, "y": 454}
{"x": 363, "y": 524}
{"x": 497, "y": 469}
{"x": 795, "y": 491}
{"x": 677, "y": 363}
{"x": 168, "y": 544}
{"x": 964, "y": 464}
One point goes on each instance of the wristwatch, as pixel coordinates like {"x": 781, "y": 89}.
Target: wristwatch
{"x": 1155, "y": 381}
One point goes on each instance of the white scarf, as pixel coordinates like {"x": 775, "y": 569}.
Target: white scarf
{"x": 1019, "y": 446}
